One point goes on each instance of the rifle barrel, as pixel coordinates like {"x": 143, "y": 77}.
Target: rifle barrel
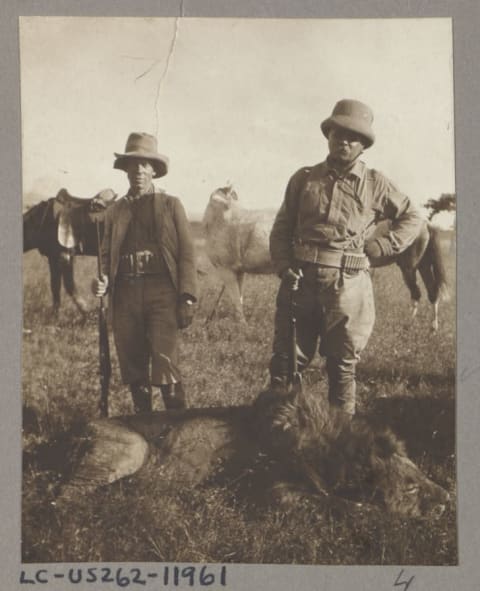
{"x": 295, "y": 377}
{"x": 103, "y": 344}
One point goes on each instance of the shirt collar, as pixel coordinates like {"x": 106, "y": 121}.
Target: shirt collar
{"x": 131, "y": 197}
{"x": 357, "y": 169}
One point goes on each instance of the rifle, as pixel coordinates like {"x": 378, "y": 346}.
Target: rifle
{"x": 294, "y": 379}
{"x": 104, "y": 347}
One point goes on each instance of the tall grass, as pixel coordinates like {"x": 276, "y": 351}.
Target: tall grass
{"x": 406, "y": 378}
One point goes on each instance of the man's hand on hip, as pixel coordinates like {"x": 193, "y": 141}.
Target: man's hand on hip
{"x": 379, "y": 247}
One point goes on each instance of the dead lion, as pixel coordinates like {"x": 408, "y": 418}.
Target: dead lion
{"x": 307, "y": 446}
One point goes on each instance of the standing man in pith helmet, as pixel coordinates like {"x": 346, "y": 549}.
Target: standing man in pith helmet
{"x": 149, "y": 271}
{"x": 319, "y": 248}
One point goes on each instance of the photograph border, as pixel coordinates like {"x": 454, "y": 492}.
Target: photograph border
{"x": 465, "y": 19}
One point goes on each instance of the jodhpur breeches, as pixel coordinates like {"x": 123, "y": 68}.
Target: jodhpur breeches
{"x": 332, "y": 306}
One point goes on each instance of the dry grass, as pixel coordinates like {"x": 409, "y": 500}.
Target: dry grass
{"x": 406, "y": 379}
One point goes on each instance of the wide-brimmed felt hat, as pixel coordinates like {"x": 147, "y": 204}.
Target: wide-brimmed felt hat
{"x": 354, "y": 116}
{"x": 142, "y": 145}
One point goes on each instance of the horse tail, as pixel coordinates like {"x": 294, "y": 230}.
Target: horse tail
{"x": 436, "y": 259}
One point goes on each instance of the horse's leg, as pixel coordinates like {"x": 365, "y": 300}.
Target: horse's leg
{"x": 435, "y": 316}
{"x": 230, "y": 280}
{"x": 67, "y": 262}
{"x": 410, "y": 277}
{"x": 434, "y": 274}
{"x": 240, "y": 281}
{"x": 414, "y": 309}
{"x": 55, "y": 281}
{"x": 215, "y": 305}
{"x": 432, "y": 287}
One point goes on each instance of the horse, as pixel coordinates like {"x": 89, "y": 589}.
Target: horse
{"x": 61, "y": 228}
{"x": 425, "y": 257}
{"x": 237, "y": 242}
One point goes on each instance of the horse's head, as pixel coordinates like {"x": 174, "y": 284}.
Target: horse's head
{"x": 224, "y": 196}
{"x": 220, "y": 205}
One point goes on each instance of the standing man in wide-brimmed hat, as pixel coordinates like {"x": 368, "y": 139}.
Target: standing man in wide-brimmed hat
{"x": 149, "y": 270}
{"x": 319, "y": 248}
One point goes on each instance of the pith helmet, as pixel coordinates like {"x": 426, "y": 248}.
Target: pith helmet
{"x": 354, "y": 116}
{"x": 142, "y": 145}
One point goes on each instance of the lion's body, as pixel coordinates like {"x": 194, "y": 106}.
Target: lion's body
{"x": 294, "y": 439}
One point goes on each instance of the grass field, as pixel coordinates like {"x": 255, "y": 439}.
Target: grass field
{"x": 406, "y": 377}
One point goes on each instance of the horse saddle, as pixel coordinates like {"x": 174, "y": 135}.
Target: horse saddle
{"x": 73, "y": 213}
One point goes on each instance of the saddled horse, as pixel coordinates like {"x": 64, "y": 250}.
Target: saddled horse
{"x": 61, "y": 228}
{"x": 237, "y": 242}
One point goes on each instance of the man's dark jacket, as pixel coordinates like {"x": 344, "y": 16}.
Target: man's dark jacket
{"x": 173, "y": 235}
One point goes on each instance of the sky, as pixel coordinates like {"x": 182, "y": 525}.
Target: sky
{"x": 231, "y": 101}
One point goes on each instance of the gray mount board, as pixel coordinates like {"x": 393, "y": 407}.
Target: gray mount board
{"x": 466, "y": 20}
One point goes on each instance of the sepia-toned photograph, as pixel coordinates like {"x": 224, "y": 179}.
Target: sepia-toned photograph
{"x": 239, "y": 301}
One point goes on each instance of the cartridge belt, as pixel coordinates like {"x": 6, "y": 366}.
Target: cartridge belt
{"x": 312, "y": 253}
{"x": 140, "y": 263}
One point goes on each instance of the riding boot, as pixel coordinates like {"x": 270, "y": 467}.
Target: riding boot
{"x": 173, "y": 396}
{"x": 142, "y": 397}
